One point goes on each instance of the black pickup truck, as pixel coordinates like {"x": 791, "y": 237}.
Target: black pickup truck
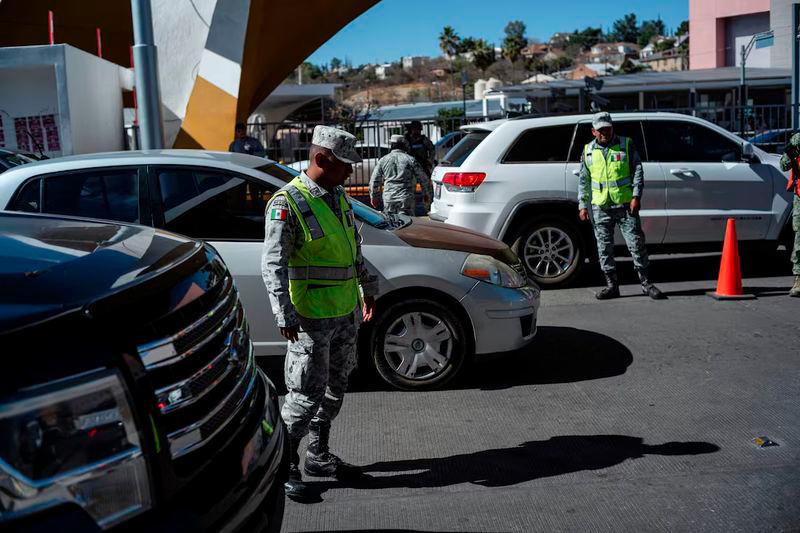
{"x": 129, "y": 395}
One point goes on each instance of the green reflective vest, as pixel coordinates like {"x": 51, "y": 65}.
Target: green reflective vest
{"x": 612, "y": 181}
{"x": 323, "y": 281}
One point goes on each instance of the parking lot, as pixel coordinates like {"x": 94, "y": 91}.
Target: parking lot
{"x": 630, "y": 414}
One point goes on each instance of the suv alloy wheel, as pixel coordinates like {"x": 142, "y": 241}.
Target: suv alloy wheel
{"x": 551, "y": 250}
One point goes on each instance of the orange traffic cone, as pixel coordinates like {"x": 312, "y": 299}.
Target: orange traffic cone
{"x": 729, "y": 283}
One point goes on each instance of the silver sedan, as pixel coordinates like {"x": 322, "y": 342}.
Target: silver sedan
{"x": 446, "y": 293}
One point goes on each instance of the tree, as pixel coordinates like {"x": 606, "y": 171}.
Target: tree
{"x": 467, "y": 44}
{"x": 336, "y": 63}
{"x": 629, "y": 67}
{"x": 483, "y": 55}
{"x": 683, "y": 28}
{"x": 449, "y": 119}
{"x": 650, "y": 29}
{"x": 449, "y": 41}
{"x": 625, "y": 29}
{"x": 514, "y": 40}
{"x": 586, "y": 38}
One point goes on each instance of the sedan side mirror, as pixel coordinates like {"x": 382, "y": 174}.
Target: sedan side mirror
{"x": 748, "y": 154}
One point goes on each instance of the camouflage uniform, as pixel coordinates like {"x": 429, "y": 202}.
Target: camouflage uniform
{"x": 606, "y": 217}
{"x": 319, "y": 363}
{"x": 399, "y": 173}
{"x": 790, "y": 155}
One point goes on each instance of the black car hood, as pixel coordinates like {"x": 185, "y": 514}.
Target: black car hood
{"x": 51, "y": 265}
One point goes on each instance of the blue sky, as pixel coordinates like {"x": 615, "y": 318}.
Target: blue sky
{"x": 395, "y": 28}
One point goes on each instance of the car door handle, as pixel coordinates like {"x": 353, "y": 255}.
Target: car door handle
{"x": 683, "y": 172}
{"x": 576, "y": 171}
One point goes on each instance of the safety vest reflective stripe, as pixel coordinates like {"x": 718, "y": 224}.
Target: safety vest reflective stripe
{"x": 612, "y": 183}
{"x": 305, "y": 210}
{"x": 321, "y": 273}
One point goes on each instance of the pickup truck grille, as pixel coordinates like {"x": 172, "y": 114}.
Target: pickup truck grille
{"x": 204, "y": 372}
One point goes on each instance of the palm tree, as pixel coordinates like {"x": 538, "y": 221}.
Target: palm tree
{"x": 448, "y": 42}
{"x": 483, "y": 55}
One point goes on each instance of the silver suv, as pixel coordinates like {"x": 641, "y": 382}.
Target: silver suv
{"x": 517, "y": 180}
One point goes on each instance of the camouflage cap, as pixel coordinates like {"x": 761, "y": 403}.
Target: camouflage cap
{"x": 340, "y": 142}
{"x": 601, "y": 120}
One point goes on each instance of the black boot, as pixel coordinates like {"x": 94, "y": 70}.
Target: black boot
{"x": 294, "y": 487}
{"x": 611, "y": 290}
{"x": 320, "y": 462}
{"x": 648, "y": 288}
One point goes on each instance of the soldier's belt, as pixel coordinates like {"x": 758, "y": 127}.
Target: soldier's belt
{"x": 322, "y": 273}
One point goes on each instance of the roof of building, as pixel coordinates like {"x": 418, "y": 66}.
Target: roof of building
{"x": 716, "y": 78}
{"x": 424, "y": 110}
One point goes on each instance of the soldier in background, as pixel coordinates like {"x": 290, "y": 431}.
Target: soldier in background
{"x": 399, "y": 173}
{"x": 245, "y": 144}
{"x": 420, "y": 146}
{"x": 789, "y": 161}
{"x": 611, "y": 179}
{"x": 312, "y": 267}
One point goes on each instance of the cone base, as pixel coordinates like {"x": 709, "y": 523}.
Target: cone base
{"x": 716, "y": 296}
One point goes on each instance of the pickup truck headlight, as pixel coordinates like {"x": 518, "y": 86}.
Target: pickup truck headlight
{"x": 490, "y": 270}
{"x": 74, "y": 440}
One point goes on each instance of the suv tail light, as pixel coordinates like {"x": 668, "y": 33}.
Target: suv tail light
{"x": 463, "y": 181}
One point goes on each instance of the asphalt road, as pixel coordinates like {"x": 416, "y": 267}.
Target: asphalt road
{"x": 623, "y": 415}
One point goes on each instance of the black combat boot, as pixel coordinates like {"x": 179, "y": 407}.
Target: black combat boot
{"x": 294, "y": 487}
{"x": 611, "y": 290}
{"x": 320, "y": 462}
{"x": 648, "y": 288}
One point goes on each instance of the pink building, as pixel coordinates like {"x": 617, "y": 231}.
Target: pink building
{"x": 717, "y": 29}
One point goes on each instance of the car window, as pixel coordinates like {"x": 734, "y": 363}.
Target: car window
{"x": 549, "y": 144}
{"x": 625, "y": 128}
{"x": 108, "y": 193}
{"x": 210, "y": 204}
{"x": 675, "y": 140}
{"x": 458, "y": 153}
{"x": 13, "y": 160}
{"x": 28, "y": 197}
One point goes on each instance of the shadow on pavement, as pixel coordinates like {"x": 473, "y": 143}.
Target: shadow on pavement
{"x": 509, "y": 466}
{"x": 760, "y": 292}
{"x": 668, "y": 269}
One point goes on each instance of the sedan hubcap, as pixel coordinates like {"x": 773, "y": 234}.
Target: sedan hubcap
{"x": 549, "y": 252}
{"x": 418, "y": 345}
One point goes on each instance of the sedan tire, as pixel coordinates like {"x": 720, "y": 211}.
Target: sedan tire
{"x": 418, "y": 345}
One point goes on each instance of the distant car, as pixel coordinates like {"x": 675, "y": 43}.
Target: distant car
{"x": 772, "y": 141}
{"x": 132, "y": 401}
{"x": 444, "y": 144}
{"x": 446, "y": 293}
{"x": 517, "y": 180}
{"x": 12, "y": 158}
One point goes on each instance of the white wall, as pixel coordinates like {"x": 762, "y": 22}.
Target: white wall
{"x": 95, "y": 103}
{"x": 27, "y": 92}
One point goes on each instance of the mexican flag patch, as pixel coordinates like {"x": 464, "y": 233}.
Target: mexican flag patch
{"x": 278, "y": 213}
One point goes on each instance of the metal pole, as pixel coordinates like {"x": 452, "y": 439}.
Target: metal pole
{"x": 148, "y": 92}
{"x": 742, "y": 93}
{"x": 795, "y": 99}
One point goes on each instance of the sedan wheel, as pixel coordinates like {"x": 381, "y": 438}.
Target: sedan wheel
{"x": 418, "y": 344}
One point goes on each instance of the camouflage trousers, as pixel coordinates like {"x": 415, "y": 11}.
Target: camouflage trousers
{"x": 402, "y": 207}
{"x": 796, "y": 228}
{"x": 317, "y": 368}
{"x": 604, "y": 221}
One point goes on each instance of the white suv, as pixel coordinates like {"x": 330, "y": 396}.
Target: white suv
{"x": 517, "y": 180}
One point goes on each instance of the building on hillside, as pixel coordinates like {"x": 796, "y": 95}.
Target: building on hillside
{"x": 720, "y": 29}
{"x": 560, "y": 39}
{"x": 411, "y": 62}
{"x": 381, "y": 71}
{"x": 535, "y": 50}
{"x": 614, "y": 53}
{"x": 667, "y": 61}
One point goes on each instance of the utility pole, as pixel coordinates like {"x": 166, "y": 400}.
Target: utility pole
{"x": 148, "y": 91}
{"x": 760, "y": 40}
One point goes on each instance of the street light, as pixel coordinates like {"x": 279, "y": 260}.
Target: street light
{"x": 148, "y": 92}
{"x": 759, "y": 40}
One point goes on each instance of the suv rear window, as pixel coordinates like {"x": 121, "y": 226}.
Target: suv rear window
{"x": 465, "y": 146}
{"x": 541, "y": 145}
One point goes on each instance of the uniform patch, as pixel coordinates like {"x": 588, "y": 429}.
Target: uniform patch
{"x": 278, "y": 213}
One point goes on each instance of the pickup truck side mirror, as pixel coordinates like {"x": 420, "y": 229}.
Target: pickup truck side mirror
{"x": 748, "y": 154}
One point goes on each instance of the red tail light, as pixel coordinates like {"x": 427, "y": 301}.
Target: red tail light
{"x": 463, "y": 181}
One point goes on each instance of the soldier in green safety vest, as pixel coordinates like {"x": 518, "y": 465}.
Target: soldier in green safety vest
{"x": 611, "y": 180}
{"x": 320, "y": 291}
